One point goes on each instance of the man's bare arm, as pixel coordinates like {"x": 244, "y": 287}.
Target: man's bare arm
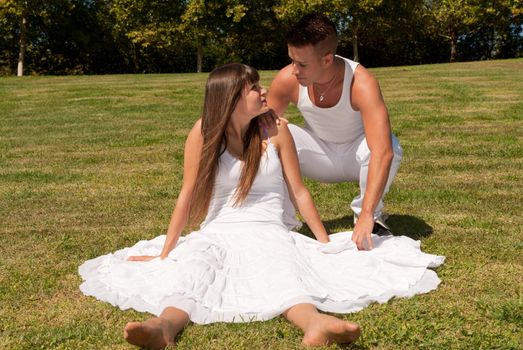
{"x": 367, "y": 98}
{"x": 283, "y": 90}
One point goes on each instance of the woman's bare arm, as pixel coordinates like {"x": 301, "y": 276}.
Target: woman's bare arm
{"x": 299, "y": 193}
{"x": 180, "y": 215}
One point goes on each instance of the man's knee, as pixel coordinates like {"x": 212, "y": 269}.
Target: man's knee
{"x": 299, "y": 136}
{"x": 396, "y": 148}
{"x": 295, "y": 131}
{"x": 363, "y": 151}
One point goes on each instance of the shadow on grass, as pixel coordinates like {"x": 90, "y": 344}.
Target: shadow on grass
{"x": 332, "y": 226}
{"x": 350, "y": 346}
{"x": 410, "y": 226}
{"x": 400, "y": 225}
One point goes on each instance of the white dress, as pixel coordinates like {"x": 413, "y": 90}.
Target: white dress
{"x": 244, "y": 265}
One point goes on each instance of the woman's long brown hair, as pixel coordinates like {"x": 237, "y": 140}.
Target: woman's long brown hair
{"x": 222, "y": 92}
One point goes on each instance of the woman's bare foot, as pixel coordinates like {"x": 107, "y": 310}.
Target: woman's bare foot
{"x": 326, "y": 329}
{"x": 155, "y": 333}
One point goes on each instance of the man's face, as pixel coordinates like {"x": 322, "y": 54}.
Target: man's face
{"x": 307, "y": 64}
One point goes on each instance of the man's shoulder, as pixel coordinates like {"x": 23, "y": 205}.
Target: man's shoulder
{"x": 284, "y": 88}
{"x": 365, "y": 89}
{"x": 363, "y": 74}
{"x": 285, "y": 76}
{"x": 363, "y": 79}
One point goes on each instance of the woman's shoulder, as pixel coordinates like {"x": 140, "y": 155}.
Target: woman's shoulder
{"x": 198, "y": 124}
{"x": 197, "y": 127}
{"x": 278, "y": 134}
{"x": 195, "y": 135}
{"x": 276, "y": 129}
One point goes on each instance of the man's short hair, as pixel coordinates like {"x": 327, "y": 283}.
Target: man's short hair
{"x": 314, "y": 29}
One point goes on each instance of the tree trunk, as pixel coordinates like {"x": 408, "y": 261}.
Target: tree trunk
{"x": 199, "y": 58}
{"x": 355, "y": 47}
{"x": 21, "y": 53}
{"x": 453, "y": 46}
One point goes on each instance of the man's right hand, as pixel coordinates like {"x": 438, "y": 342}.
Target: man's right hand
{"x": 270, "y": 119}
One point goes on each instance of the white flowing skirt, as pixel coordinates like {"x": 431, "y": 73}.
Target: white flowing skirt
{"x": 256, "y": 272}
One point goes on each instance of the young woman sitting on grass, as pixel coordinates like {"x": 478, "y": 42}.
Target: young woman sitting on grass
{"x": 243, "y": 264}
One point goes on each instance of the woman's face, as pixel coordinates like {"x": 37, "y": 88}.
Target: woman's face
{"x": 253, "y": 101}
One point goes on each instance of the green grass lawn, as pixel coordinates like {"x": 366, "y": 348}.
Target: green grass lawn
{"x": 92, "y": 164}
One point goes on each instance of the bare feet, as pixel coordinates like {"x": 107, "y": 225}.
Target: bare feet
{"x": 326, "y": 329}
{"x": 155, "y": 333}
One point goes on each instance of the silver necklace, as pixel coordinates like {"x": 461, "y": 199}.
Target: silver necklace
{"x": 322, "y": 95}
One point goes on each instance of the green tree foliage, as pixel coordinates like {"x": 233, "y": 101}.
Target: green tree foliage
{"x": 256, "y": 38}
{"x": 146, "y": 33}
{"x": 375, "y": 32}
{"x": 207, "y": 23}
{"x": 487, "y": 26}
{"x": 397, "y": 33}
{"x": 8, "y": 48}
{"x": 55, "y": 37}
{"x": 23, "y": 16}
{"x": 194, "y": 34}
{"x": 117, "y": 36}
{"x": 453, "y": 18}
{"x": 499, "y": 33}
{"x": 234, "y": 30}
{"x": 353, "y": 17}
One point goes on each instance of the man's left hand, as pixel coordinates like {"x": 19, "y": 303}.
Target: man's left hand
{"x": 362, "y": 232}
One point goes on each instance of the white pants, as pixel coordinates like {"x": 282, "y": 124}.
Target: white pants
{"x": 335, "y": 162}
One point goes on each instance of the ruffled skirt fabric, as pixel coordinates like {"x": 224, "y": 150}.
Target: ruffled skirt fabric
{"x": 243, "y": 274}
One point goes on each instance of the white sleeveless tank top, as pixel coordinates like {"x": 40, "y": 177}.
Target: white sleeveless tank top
{"x": 337, "y": 124}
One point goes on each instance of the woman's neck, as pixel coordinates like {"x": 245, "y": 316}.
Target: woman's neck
{"x": 237, "y": 129}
